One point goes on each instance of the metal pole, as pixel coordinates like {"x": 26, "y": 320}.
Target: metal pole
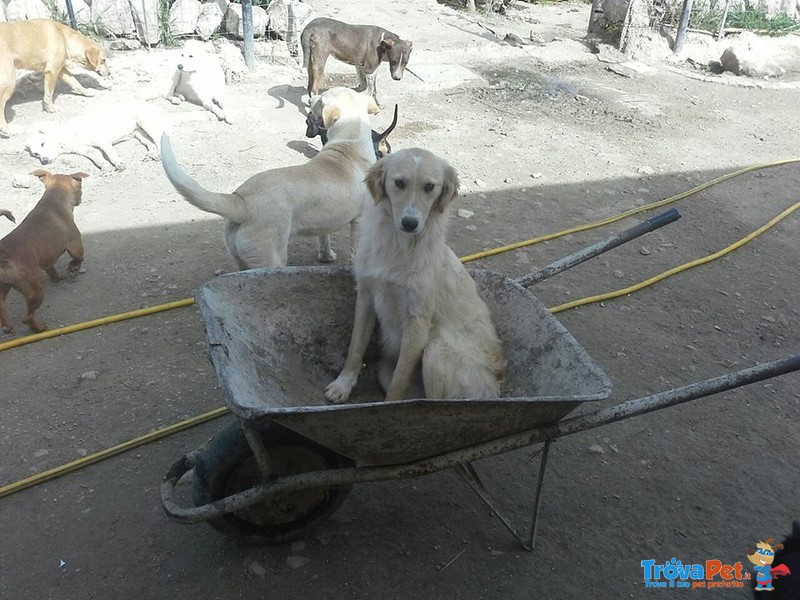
{"x": 683, "y": 25}
{"x": 71, "y": 14}
{"x": 605, "y": 245}
{"x": 247, "y": 33}
{"x": 724, "y": 19}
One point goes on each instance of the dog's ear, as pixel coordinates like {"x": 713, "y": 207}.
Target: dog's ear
{"x": 450, "y": 186}
{"x": 41, "y": 174}
{"x": 94, "y": 56}
{"x": 80, "y": 175}
{"x": 387, "y": 43}
{"x": 330, "y": 114}
{"x": 376, "y": 181}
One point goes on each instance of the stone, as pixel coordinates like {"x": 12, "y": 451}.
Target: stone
{"x": 209, "y": 20}
{"x": 146, "y": 21}
{"x": 465, "y": 214}
{"x": 750, "y": 57}
{"x": 81, "y": 10}
{"x": 21, "y": 181}
{"x": 235, "y": 26}
{"x": 278, "y": 15}
{"x": 20, "y": 10}
{"x": 115, "y": 16}
{"x": 232, "y": 61}
{"x": 183, "y": 16}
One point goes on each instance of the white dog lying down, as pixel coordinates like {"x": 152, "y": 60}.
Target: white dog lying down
{"x": 199, "y": 78}
{"x": 94, "y": 135}
{"x": 411, "y": 281}
{"x": 316, "y": 198}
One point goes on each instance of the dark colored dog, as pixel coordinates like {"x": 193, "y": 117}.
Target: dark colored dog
{"x": 43, "y": 236}
{"x": 363, "y": 46}
{"x": 380, "y": 141}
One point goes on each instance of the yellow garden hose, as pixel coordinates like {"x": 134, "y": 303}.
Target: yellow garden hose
{"x": 675, "y": 270}
{"x": 33, "y": 480}
{"x": 188, "y": 423}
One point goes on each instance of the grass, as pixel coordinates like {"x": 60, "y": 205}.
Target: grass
{"x": 749, "y": 17}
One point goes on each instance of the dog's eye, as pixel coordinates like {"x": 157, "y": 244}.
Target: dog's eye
{"x": 400, "y": 184}
{"x": 428, "y": 187}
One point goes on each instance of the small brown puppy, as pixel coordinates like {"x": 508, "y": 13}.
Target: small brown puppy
{"x": 43, "y": 236}
{"x": 47, "y": 47}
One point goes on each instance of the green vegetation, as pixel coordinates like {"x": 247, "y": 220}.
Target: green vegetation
{"x": 749, "y": 16}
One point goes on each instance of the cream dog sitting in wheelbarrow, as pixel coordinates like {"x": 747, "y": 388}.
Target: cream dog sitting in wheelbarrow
{"x": 410, "y": 280}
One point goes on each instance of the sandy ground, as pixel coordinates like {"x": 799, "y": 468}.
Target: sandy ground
{"x": 544, "y": 138}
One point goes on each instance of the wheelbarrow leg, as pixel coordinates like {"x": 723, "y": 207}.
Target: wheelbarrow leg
{"x": 470, "y": 476}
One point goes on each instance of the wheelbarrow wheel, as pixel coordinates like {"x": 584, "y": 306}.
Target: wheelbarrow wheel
{"x": 227, "y": 466}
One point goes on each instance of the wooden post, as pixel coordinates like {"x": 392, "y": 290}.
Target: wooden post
{"x": 683, "y": 25}
{"x": 247, "y": 33}
{"x": 597, "y": 9}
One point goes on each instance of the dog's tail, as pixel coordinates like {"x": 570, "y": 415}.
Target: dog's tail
{"x": 229, "y": 206}
{"x": 7, "y": 214}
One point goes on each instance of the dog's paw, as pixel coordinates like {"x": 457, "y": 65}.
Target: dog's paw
{"x": 9, "y": 329}
{"x": 338, "y": 391}
{"x": 326, "y": 256}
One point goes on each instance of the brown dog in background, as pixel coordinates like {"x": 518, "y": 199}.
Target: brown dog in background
{"x": 43, "y": 236}
{"x": 47, "y": 47}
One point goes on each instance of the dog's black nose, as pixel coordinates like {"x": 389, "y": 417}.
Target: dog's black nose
{"x": 409, "y": 223}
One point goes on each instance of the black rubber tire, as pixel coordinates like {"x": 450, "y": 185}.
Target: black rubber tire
{"x": 227, "y": 466}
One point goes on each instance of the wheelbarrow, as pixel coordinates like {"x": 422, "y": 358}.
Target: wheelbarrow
{"x": 277, "y": 337}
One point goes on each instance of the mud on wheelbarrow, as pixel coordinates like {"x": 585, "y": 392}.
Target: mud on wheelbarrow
{"x": 277, "y": 337}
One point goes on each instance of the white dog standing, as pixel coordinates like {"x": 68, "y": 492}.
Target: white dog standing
{"x": 199, "y": 79}
{"x": 94, "y": 136}
{"x": 411, "y": 282}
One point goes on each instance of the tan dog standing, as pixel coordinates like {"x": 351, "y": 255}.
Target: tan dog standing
{"x": 43, "y": 236}
{"x": 48, "y": 47}
{"x": 316, "y": 198}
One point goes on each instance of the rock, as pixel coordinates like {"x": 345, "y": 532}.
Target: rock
{"x": 465, "y": 214}
{"x": 145, "y": 18}
{"x": 750, "y": 57}
{"x": 480, "y": 183}
{"x": 535, "y": 175}
{"x": 209, "y": 20}
{"x": 123, "y": 44}
{"x": 595, "y": 449}
{"x": 295, "y": 562}
{"x": 232, "y": 61}
{"x": 513, "y": 39}
{"x": 81, "y": 10}
{"x": 632, "y": 68}
{"x": 115, "y": 15}
{"x": 257, "y": 569}
{"x": 183, "y": 16}
{"x": 21, "y": 181}
{"x": 645, "y": 170}
{"x": 508, "y": 180}
{"x": 644, "y": 251}
{"x": 278, "y": 15}
{"x": 234, "y": 25}
{"x": 90, "y": 375}
{"x": 20, "y": 10}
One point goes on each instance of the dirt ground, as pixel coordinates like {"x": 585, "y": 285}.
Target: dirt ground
{"x": 544, "y": 138}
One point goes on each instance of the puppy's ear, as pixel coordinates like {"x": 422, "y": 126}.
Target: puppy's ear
{"x": 79, "y": 176}
{"x": 450, "y": 186}
{"x": 330, "y": 114}
{"x": 376, "y": 181}
{"x": 41, "y": 174}
{"x": 387, "y": 43}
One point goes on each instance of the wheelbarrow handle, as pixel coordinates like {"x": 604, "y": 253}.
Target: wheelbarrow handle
{"x": 609, "y": 243}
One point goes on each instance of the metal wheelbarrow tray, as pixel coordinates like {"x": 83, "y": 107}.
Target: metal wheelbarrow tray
{"x": 277, "y": 337}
